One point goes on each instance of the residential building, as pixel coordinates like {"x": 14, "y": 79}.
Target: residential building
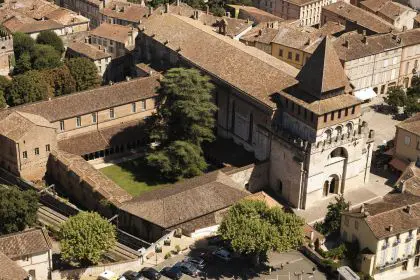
{"x": 87, "y": 8}
{"x": 91, "y": 123}
{"x": 308, "y": 127}
{"x": 254, "y": 14}
{"x": 407, "y": 143}
{"x": 400, "y": 16}
{"x": 33, "y": 16}
{"x": 118, "y": 40}
{"x": 355, "y": 18}
{"x": 31, "y": 250}
{"x": 375, "y": 63}
{"x": 6, "y": 54}
{"x": 123, "y": 13}
{"x": 387, "y": 232}
{"x": 307, "y": 12}
{"x": 193, "y": 205}
{"x": 97, "y": 54}
{"x": 10, "y": 270}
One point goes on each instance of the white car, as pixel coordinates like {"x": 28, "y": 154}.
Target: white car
{"x": 107, "y": 275}
{"x": 223, "y": 254}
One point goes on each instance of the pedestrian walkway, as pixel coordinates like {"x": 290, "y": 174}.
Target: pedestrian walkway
{"x": 100, "y": 163}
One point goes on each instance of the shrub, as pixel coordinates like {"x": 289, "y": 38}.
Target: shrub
{"x": 168, "y": 255}
{"x": 178, "y": 248}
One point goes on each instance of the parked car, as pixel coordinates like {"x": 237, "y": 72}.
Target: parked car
{"x": 174, "y": 272}
{"x": 222, "y": 254}
{"x": 197, "y": 261}
{"x": 188, "y": 268}
{"x": 131, "y": 275}
{"x": 150, "y": 273}
{"x": 107, "y": 275}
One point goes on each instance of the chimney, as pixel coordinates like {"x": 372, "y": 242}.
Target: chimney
{"x": 408, "y": 209}
{"x": 150, "y": 10}
{"x": 195, "y": 15}
{"x": 260, "y": 32}
{"x": 346, "y": 44}
{"x": 312, "y": 235}
{"x": 167, "y": 8}
{"x": 127, "y": 78}
{"x": 390, "y": 228}
{"x": 227, "y": 14}
{"x": 364, "y": 32}
{"x": 364, "y": 40}
{"x": 362, "y": 208}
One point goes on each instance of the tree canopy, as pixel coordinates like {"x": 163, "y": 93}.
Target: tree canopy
{"x": 60, "y": 80}
{"x": 332, "y": 221}
{"x": 45, "y": 57}
{"x": 22, "y": 43}
{"x": 178, "y": 160}
{"x": 84, "y": 72}
{"x": 17, "y": 209}
{"x": 84, "y": 238}
{"x": 23, "y": 64}
{"x": 396, "y": 97}
{"x": 49, "y": 37}
{"x": 184, "y": 119}
{"x": 254, "y": 229}
{"x": 28, "y": 87}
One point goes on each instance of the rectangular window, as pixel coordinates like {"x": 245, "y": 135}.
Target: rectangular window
{"x": 332, "y": 115}
{"x": 325, "y": 117}
{"x": 297, "y": 57}
{"x": 280, "y": 52}
{"x": 25, "y": 154}
{"x": 62, "y": 125}
{"x": 339, "y": 114}
{"x": 353, "y": 109}
{"x": 133, "y": 107}
{"x": 36, "y": 151}
{"x": 47, "y": 148}
{"x": 407, "y": 140}
{"x": 94, "y": 118}
{"x": 346, "y": 112}
{"x": 111, "y": 113}
{"x": 78, "y": 121}
{"x": 143, "y": 104}
{"x": 289, "y": 55}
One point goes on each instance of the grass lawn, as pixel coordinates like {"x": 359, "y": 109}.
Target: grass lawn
{"x": 134, "y": 176}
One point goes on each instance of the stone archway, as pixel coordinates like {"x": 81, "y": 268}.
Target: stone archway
{"x": 331, "y": 185}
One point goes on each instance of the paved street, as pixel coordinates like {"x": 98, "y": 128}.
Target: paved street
{"x": 295, "y": 267}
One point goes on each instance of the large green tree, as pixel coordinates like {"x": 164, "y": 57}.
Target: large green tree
{"x": 84, "y": 72}
{"x": 332, "y": 221}
{"x": 45, "y": 57}
{"x": 178, "y": 160}
{"x": 49, "y": 37}
{"x": 60, "y": 80}
{"x": 5, "y": 84}
{"x": 185, "y": 110}
{"x": 22, "y": 43}
{"x": 28, "y": 87}
{"x": 17, "y": 209}
{"x": 412, "y": 105}
{"x": 23, "y": 64}
{"x": 396, "y": 97}
{"x": 85, "y": 238}
{"x": 184, "y": 119}
{"x": 254, "y": 229}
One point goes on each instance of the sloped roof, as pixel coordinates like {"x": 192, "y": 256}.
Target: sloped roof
{"x": 187, "y": 200}
{"x": 323, "y": 71}
{"x": 10, "y": 269}
{"x": 16, "y": 124}
{"x": 411, "y": 124}
{"x": 386, "y": 8}
{"x": 125, "y": 11}
{"x": 25, "y": 243}
{"x": 250, "y": 70}
{"x": 88, "y": 50}
{"x": 115, "y": 32}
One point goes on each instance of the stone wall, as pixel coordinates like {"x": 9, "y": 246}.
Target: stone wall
{"x": 253, "y": 177}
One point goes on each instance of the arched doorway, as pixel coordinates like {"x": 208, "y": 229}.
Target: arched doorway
{"x": 331, "y": 185}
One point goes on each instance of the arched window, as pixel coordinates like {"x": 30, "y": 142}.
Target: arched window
{"x": 349, "y": 127}
{"x": 339, "y": 130}
{"x": 339, "y": 152}
{"x": 327, "y": 134}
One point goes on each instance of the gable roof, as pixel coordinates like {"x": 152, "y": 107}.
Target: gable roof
{"x": 25, "y": 243}
{"x": 115, "y": 32}
{"x": 10, "y": 269}
{"x": 411, "y": 124}
{"x": 16, "y": 124}
{"x": 387, "y": 8}
{"x": 88, "y": 50}
{"x": 84, "y": 102}
{"x": 125, "y": 11}
{"x": 187, "y": 200}
{"x": 252, "y": 71}
{"x": 323, "y": 71}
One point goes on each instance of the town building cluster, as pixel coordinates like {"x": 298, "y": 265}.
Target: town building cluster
{"x": 293, "y": 80}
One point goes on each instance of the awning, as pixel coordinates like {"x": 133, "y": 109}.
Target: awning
{"x": 365, "y": 94}
{"x": 399, "y": 164}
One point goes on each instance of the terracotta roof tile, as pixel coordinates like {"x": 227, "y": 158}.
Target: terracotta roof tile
{"x": 24, "y": 243}
{"x": 115, "y": 32}
{"x": 255, "y": 14}
{"x": 250, "y": 70}
{"x": 187, "y": 200}
{"x": 411, "y": 124}
{"x": 93, "y": 100}
{"x": 10, "y": 270}
{"x": 360, "y": 17}
{"x": 88, "y": 50}
{"x": 16, "y": 124}
{"x": 125, "y": 11}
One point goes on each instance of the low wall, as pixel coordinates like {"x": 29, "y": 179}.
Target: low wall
{"x": 253, "y": 177}
{"x": 93, "y": 271}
